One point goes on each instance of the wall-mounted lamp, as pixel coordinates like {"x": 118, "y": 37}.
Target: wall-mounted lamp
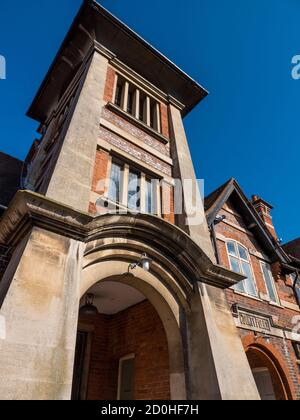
{"x": 89, "y": 309}
{"x": 219, "y": 219}
{"x": 144, "y": 263}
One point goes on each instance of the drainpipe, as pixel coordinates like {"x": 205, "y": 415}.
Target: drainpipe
{"x": 217, "y": 220}
{"x": 215, "y": 243}
{"x": 294, "y": 286}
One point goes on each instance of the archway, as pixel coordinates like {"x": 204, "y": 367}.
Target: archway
{"x": 269, "y": 376}
{"x": 122, "y": 351}
{"x": 130, "y": 294}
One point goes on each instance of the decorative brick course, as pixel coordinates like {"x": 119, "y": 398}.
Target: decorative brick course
{"x": 134, "y": 151}
{"x": 136, "y": 132}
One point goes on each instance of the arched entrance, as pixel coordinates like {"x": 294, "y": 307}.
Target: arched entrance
{"x": 269, "y": 376}
{"x": 122, "y": 351}
{"x": 140, "y": 304}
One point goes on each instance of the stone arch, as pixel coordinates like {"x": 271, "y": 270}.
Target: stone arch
{"x": 259, "y": 352}
{"x": 166, "y": 305}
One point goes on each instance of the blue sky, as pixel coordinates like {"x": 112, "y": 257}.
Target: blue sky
{"x": 241, "y": 51}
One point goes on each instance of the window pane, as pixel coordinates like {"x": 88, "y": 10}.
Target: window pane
{"x": 142, "y": 106}
{"x": 118, "y": 99}
{"x": 269, "y": 282}
{"x": 134, "y": 191}
{"x": 235, "y": 266}
{"x": 130, "y": 102}
{"x": 243, "y": 253}
{"x": 115, "y": 182}
{"x": 149, "y": 197}
{"x": 249, "y": 282}
{"x": 127, "y": 380}
{"x": 240, "y": 287}
{"x": 231, "y": 248}
{"x": 154, "y": 119}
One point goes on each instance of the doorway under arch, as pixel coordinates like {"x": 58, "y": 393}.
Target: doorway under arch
{"x": 122, "y": 351}
{"x": 269, "y": 376}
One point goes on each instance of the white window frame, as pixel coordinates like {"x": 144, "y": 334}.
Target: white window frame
{"x": 297, "y": 285}
{"x": 123, "y": 359}
{"x": 239, "y": 259}
{"x": 124, "y": 184}
{"x": 262, "y": 263}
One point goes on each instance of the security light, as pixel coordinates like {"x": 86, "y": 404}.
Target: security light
{"x": 219, "y": 219}
{"x": 144, "y": 263}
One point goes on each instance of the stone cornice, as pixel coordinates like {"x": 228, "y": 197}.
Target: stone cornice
{"x": 29, "y": 209}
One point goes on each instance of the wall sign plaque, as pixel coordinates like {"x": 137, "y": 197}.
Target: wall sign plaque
{"x": 258, "y": 323}
{"x": 255, "y": 321}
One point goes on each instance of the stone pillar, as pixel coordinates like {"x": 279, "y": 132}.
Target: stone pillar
{"x": 40, "y": 315}
{"x": 219, "y": 368}
{"x": 218, "y": 365}
{"x": 71, "y": 180}
{"x": 184, "y": 170}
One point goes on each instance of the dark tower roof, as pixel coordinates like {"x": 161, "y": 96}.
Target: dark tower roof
{"x": 93, "y": 24}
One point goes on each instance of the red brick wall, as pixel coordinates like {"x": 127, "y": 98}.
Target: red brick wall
{"x": 281, "y": 365}
{"x": 283, "y": 317}
{"x": 165, "y": 121}
{"x": 266, "y": 218}
{"x": 100, "y": 171}
{"x": 109, "y": 85}
{"x": 269, "y": 224}
{"x": 137, "y": 330}
{"x": 168, "y": 203}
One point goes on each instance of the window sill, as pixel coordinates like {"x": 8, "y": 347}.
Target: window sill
{"x": 110, "y": 205}
{"x": 247, "y": 296}
{"x": 277, "y": 305}
{"x": 136, "y": 122}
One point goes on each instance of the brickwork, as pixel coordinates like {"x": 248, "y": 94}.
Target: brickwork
{"x": 137, "y": 330}
{"x": 125, "y": 146}
{"x": 168, "y": 203}
{"x": 283, "y": 353}
{"x": 100, "y": 172}
{"x": 135, "y": 151}
{"x": 235, "y": 228}
{"x": 136, "y": 132}
{"x": 280, "y": 354}
{"x": 109, "y": 85}
{"x": 165, "y": 120}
